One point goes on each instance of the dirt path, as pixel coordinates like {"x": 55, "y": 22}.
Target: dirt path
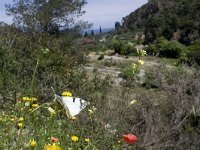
{"x": 119, "y": 58}
{"x": 98, "y": 66}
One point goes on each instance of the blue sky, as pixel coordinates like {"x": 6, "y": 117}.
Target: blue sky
{"x": 102, "y": 13}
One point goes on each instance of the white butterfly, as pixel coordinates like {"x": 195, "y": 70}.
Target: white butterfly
{"x": 73, "y": 104}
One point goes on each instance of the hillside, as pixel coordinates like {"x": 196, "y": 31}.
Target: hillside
{"x": 179, "y": 20}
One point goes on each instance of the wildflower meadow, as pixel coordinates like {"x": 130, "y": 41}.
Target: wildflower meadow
{"x": 31, "y": 123}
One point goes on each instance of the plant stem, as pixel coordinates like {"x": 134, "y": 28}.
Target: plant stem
{"x": 33, "y": 77}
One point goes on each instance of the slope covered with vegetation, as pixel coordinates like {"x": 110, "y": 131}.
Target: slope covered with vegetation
{"x": 179, "y": 19}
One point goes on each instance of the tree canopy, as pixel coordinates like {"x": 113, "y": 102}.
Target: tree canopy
{"x": 46, "y": 15}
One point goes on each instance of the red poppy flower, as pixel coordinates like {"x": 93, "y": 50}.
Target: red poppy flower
{"x": 54, "y": 139}
{"x": 130, "y": 138}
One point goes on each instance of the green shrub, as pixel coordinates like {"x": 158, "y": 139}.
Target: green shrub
{"x": 165, "y": 48}
{"x": 122, "y": 47}
{"x": 194, "y": 54}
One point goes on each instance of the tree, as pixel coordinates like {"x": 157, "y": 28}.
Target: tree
{"x": 100, "y": 30}
{"x": 45, "y": 15}
{"x": 85, "y": 34}
{"x": 92, "y": 32}
{"x": 117, "y": 25}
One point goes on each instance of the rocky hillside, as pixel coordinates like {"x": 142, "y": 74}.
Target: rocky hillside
{"x": 173, "y": 19}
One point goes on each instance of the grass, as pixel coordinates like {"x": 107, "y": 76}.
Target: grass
{"x": 170, "y": 61}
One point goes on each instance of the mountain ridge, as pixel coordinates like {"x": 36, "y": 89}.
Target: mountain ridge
{"x": 175, "y": 20}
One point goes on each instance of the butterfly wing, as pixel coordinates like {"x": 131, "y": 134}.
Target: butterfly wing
{"x": 74, "y": 104}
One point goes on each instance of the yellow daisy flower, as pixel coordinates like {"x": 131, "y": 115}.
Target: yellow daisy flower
{"x": 52, "y": 147}
{"x": 29, "y": 98}
{"x": 73, "y": 118}
{"x": 74, "y": 138}
{"x": 20, "y": 124}
{"x": 12, "y": 119}
{"x": 33, "y": 98}
{"x": 25, "y": 98}
{"x": 66, "y": 93}
{"x": 87, "y": 140}
{"x": 32, "y": 142}
{"x": 35, "y": 105}
{"x": 21, "y": 119}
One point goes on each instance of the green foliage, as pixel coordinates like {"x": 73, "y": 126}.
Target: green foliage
{"x": 194, "y": 53}
{"x": 195, "y": 45}
{"x": 122, "y": 47}
{"x": 18, "y": 63}
{"x": 8, "y": 71}
{"x": 172, "y": 19}
{"x": 45, "y": 16}
{"x": 165, "y": 48}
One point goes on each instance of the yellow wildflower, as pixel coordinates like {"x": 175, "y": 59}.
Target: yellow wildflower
{"x": 66, "y": 93}
{"x": 29, "y": 98}
{"x": 74, "y": 138}
{"x": 73, "y": 118}
{"x": 52, "y": 147}
{"x": 12, "y": 119}
{"x": 133, "y": 102}
{"x": 87, "y": 140}
{"x": 141, "y": 62}
{"x": 32, "y": 142}
{"x": 20, "y": 124}
{"x": 91, "y": 111}
{"x": 143, "y": 52}
{"x": 33, "y": 99}
{"x": 134, "y": 65}
{"x": 21, "y": 119}
{"x": 35, "y": 105}
{"x": 25, "y": 98}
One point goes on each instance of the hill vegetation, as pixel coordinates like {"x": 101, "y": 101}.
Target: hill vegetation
{"x": 174, "y": 20}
